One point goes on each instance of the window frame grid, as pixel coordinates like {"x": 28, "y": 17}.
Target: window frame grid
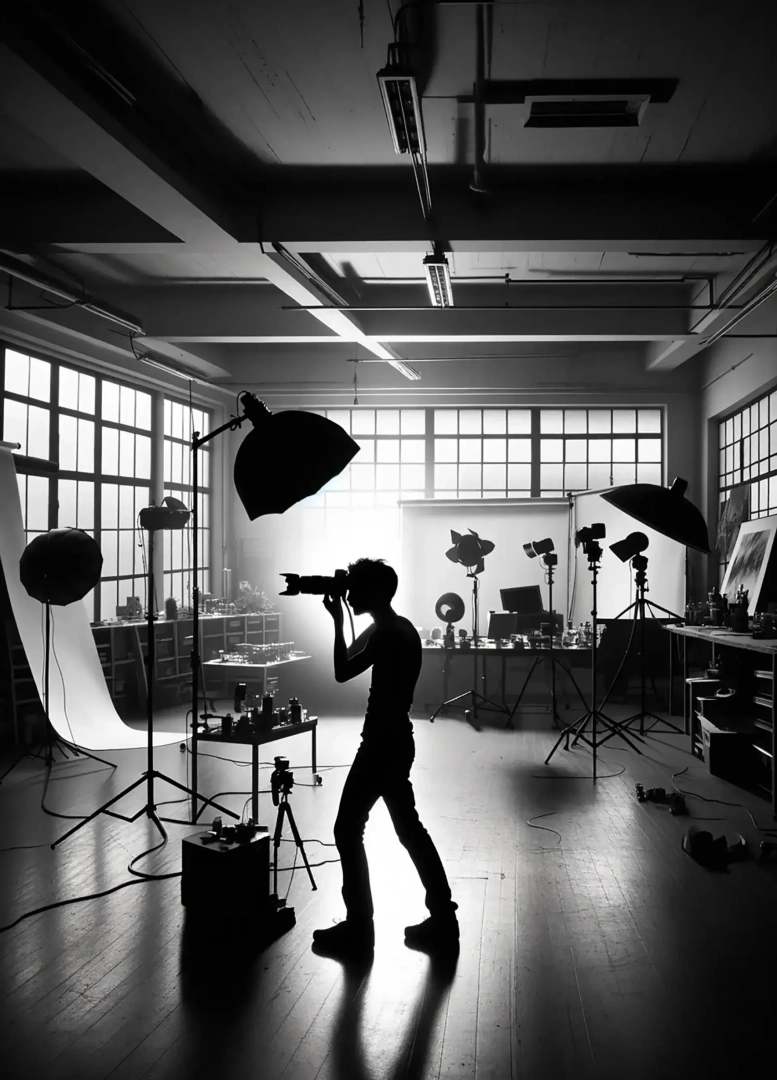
{"x": 529, "y": 428}
{"x": 735, "y": 462}
{"x": 97, "y": 478}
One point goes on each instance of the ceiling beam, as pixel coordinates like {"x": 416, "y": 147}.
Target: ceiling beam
{"x": 739, "y": 290}
{"x": 546, "y": 211}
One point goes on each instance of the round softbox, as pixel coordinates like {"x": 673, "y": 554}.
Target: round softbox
{"x": 60, "y": 566}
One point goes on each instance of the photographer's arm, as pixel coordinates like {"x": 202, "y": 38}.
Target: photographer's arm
{"x": 345, "y": 668}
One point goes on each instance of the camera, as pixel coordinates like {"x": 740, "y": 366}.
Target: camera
{"x": 589, "y": 533}
{"x": 317, "y": 585}
{"x": 281, "y": 780}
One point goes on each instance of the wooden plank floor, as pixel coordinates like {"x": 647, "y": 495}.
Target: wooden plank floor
{"x": 598, "y": 950}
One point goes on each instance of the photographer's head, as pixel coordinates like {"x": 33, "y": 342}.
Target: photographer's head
{"x": 371, "y": 585}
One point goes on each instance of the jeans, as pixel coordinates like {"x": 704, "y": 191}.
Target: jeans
{"x": 381, "y": 769}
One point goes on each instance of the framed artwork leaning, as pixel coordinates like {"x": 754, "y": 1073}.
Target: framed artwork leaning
{"x": 749, "y": 559}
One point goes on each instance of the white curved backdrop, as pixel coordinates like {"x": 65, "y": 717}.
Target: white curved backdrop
{"x": 91, "y": 720}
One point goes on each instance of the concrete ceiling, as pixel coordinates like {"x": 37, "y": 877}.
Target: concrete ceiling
{"x": 223, "y": 173}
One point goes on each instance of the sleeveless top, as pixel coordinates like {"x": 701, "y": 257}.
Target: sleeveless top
{"x": 395, "y": 653}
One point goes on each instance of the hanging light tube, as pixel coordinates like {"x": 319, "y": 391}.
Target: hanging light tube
{"x": 173, "y": 371}
{"x": 438, "y": 280}
{"x": 403, "y": 109}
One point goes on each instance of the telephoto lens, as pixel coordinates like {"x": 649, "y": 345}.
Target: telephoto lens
{"x": 317, "y": 585}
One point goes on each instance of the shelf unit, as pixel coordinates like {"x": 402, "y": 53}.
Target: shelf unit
{"x": 224, "y": 633}
{"x": 123, "y": 648}
{"x": 742, "y": 744}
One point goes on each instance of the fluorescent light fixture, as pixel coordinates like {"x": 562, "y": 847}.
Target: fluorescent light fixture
{"x": 406, "y": 370}
{"x": 438, "y": 280}
{"x": 403, "y": 109}
{"x": 173, "y": 371}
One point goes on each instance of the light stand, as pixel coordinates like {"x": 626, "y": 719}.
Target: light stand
{"x": 52, "y": 738}
{"x": 151, "y": 773}
{"x": 639, "y": 564}
{"x": 315, "y": 450}
{"x": 549, "y": 561}
{"x": 593, "y": 715}
{"x": 58, "y": 567}
{"x": 473, "y": 693}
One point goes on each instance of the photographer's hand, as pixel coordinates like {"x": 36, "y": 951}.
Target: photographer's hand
{"x": 334, "y": 606}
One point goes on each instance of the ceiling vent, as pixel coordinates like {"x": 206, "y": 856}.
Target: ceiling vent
{"x": 584, "y": 112}
{"x": 577, "y": 103}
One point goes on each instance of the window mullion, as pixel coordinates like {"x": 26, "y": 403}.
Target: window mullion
{"x": 535, "y": 453}
{"x": 53, "y": 511}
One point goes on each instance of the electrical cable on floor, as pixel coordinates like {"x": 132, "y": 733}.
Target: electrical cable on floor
{"x": 142, "y": 876}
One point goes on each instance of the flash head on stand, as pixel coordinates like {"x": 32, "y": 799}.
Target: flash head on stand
{"x": 589, "y": 533}
{"x": 634, "y": 544}
{"x": 540, "y": 547}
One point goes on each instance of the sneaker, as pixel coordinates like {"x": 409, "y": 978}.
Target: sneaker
{"x": 345, "y": 938}
{"x": 433, "y": 932}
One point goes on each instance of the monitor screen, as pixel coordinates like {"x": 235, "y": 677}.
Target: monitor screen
{"x": 526, "y": 600}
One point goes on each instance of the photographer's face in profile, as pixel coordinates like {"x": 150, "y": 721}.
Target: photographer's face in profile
{"x": 360, "y": 600}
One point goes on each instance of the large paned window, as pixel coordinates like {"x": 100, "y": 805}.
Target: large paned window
{"x": 493, "y": 453}
{"x": 27, "y": 413}
{"x": 179, "y": 423}
{"x": 125, "y": 488}
{"x": 100, "y": 431}
{"x": 747, "y": 454}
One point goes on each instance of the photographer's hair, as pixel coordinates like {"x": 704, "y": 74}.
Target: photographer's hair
{"x": 376, "y": 577}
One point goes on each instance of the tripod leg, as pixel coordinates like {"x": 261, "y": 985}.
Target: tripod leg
{"x": 208, "y": 802}
{"x": 298, "y": 842}
{"x": 78, "y": 752}
{"x": 517, "y": 702}
{"x": 100, "y": 809}
{"x": 18, "y": 761}
{"x": 276, "y": 843}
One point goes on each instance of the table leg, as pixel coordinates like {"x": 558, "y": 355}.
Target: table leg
{"x": 686, "y": 689}
{"x": 255, "y": 782}
{"x": 671, "y": 671}
{"x": 313, "y": 743}
{"x": 774, "y": 737}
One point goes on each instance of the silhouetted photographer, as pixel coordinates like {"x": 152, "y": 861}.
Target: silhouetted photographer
{"x": 381, "y": 768}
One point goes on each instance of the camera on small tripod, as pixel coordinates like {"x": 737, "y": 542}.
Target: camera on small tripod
{"x": 281, "y": 780}
{"x": 675, "y": 799}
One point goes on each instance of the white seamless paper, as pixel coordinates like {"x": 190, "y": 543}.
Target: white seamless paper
{"x": 80, "y": 707}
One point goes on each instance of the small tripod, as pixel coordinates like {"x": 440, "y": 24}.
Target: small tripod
{"x": 281, "y": 782}
{"x": 639, "y": 563}
{"x": 549, "y": 561}
{"x": 594, "y": 553}
{"x": 473, "y": 693}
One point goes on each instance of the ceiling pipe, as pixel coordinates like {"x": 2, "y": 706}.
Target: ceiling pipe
{"x": 33, "y": 277}
{"x": 477, "y": 185}
{"x": 765, "y": 294}
{"x": 524, "y": 307}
